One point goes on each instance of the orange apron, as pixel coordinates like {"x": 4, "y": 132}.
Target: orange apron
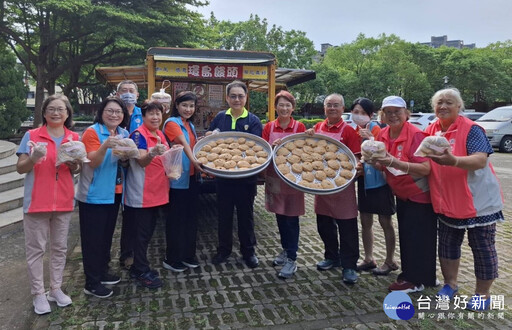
{"x": 340, "y": 205}
{"x": 281, "y": 198}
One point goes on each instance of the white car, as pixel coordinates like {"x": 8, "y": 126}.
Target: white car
{"x": 422, "y": 120}
{"x": 498, "y": 127}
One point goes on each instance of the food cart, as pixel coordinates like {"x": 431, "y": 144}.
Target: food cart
{"x": 207, "y": 72}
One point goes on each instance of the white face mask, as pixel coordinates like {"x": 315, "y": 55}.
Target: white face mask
{"x": 360, "y": 120}
{"x": 129, "y": 98}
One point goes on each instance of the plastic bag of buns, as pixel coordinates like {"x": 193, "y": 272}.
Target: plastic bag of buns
{"x": 71, "y": 151}
{"x": 432, "y": 145}
{"x": 371, "y": 150}
{"x": 172, "y": 160}
{"x": 125, "y": 149}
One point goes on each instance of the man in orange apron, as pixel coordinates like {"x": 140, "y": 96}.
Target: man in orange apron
{"x": 336, "y": 214}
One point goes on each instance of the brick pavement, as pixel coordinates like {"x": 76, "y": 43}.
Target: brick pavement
{"x": 232, "y": 296}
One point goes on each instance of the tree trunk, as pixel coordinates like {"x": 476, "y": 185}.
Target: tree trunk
{"x": 40, "y": 79}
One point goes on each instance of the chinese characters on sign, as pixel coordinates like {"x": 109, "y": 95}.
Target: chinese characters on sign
{"x": 441, "y": 308}
{"x": 211, "y": 71}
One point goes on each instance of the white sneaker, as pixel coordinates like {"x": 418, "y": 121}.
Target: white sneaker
{"x": 60, "y": 297}
{"x": 41, "y": 305}
{"x": 289, "y": 268}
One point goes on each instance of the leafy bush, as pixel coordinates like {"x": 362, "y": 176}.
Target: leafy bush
{"x": 13, "y": 96}
{"x": 83, "y": 118}
{"x": 309, "y": 123}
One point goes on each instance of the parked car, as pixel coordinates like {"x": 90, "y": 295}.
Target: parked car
{"x": 473, "y": 115}
{"x": 422, "y": 120}
{"x": 498, "y": 127}
{"x": 347, "y": 117}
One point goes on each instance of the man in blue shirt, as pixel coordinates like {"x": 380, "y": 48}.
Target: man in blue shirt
{"x": 236, "y": 192}
{"x": 128, "y": 91}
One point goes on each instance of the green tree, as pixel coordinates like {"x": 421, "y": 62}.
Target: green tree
{"x": 480, "y": 75}
{"x": 292, "y": 48}
{"x": 13, "y": 94}
{"x": 61, "y": 41}
{"x": 375, "y": 68}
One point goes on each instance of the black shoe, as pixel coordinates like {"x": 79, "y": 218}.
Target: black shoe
{"x": 98, "y": 290}
{"x": 110, "y": 279}
{"x": 219, "y": 258}
{"x": 191, "y": 263}
{"x": 150, "y": 280}
{"x": 176, "y": 267}
{"x": 252, "y": 261}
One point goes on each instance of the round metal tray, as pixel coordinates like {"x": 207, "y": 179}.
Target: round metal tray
{"x": 341, "y": 149}
{"x": 234, "y": 174}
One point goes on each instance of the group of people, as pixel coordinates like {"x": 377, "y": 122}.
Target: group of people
{"x": 108, "y": 180}
{"x": 438, "y": 198}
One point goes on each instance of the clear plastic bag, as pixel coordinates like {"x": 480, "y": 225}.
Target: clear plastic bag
{"x": 172, "y": 160}
{"x": 371, "y": 149}
{"x": 125, "y": 149}
{"x": 432, "y": 145}
{"x": 71, "y": 151}
{"x": 38, "y": 148}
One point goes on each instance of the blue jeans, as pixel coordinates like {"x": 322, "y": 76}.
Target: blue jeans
{"x": 289, "y": 231}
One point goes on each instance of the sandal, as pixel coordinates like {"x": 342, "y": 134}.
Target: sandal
{"x": 366, "y": 266}
{"x": 385, "y": 269}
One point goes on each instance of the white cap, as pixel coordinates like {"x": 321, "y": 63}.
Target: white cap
{"x": 393, "y": 101}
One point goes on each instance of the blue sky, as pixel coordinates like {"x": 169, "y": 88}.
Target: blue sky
{"x": 340, "y": 21}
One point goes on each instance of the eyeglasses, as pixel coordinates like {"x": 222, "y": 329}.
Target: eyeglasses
{"x": 56, "y": 110}
{"x": 114, "y": 112}
{"x": 333, "y": 105}
{"x": 235, "y": 97}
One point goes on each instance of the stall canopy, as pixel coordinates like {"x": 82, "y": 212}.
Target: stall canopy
{"x": 139, "y": 74}
{"x": 207, "y": 66}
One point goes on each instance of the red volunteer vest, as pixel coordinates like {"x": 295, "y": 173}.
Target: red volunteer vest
{"x": 450, "y": 192}
{"x": 403, "y": 186}
{"x": 155, "y": 189}
{"x": 53, "y": 187}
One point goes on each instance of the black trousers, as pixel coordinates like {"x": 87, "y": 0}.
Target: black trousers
{"x": 128, "y": 231}
{"x": 181, "y": 223}
{"x": 242, "y": 196}
{"x": 347, "y": 249}
{"x": 97, "y": 225}
{"x": 417, "y": 232}
{"x": 146, "y": 219}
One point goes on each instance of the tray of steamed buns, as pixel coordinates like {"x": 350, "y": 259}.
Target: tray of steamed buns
{"x": 233, "y": 154}
{"x": 314, "y": 164}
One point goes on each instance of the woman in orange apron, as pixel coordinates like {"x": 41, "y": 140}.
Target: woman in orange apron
{"x": 286, "y": 202}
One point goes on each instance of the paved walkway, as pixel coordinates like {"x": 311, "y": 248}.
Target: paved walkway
{"x": 232, "y": 296}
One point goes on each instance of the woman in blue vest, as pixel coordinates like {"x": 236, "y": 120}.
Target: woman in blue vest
{"x": 99, "y": 195}
{"x": 181, "y": 224}
{"x": 373, "y": 195}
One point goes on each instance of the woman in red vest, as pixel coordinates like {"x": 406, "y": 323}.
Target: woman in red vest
{"x": 147, "y": 190}
{"x": 48, "y": 201}
{"x": 407, "y": 174}
{"x": 466, "y": 196}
